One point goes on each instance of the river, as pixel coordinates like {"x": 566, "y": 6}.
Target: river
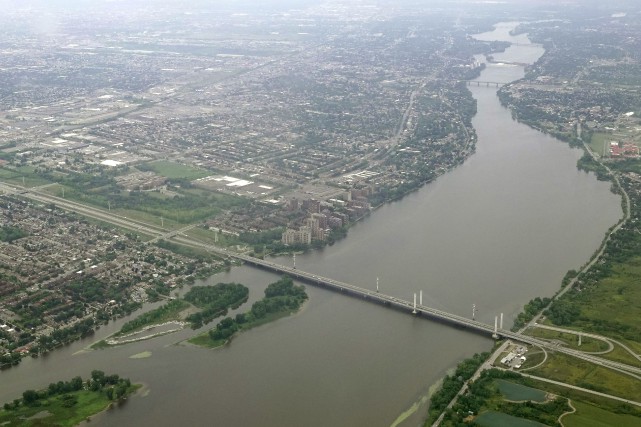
{"x": 502, "y": 228}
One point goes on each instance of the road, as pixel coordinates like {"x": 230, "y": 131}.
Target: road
{"x": 610, "y": 341}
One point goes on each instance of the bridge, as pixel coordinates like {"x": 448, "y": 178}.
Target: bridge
{"x": 527, "y": 44}
{"x": 417, "y": 309}
{"x": 484, "y": 82}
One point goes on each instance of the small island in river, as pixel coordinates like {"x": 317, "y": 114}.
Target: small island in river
{"x": 281, "y": 299}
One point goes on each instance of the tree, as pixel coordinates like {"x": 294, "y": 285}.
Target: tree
{"x": 121, "y": 389}
{"x": 76, "y": 383}
{"x": 98, "y": 376}
{"x": 29, "y": 397}
{"x": 258, "y": 309}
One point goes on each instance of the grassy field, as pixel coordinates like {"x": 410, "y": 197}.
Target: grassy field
{"x": 571, "y": 340}
{"x": 51, "y": 412}
{"x": 613, "y": 307}
{"x": 498, "y": 419}
{"x": 173, "y": 170}
{"x": 591, "y": 416}
{"x": 188, "y": 206}
{"x": 561, "y": 367}
{"x": 594, "y": 400}
{"x": 518, "y": 392}
{"x": 534, "y": 357}
{"x": 142, "y": 236}
{"x": 619, "y": 354}
{"x": 635, "y": 346}
{"x": 15, "y": 176}
{"x": 209, "y": 236}
{"x": 598, "y": 141}
{"x": 184, "y": 250}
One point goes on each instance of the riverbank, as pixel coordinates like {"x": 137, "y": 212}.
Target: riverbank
{"x": 601, "y": 297}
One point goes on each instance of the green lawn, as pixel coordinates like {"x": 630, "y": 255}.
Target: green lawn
{"x": 518, "y": 392}
{"x": 174, "y": 170}
{"x": 498, "y": 419}
{"x": 591, "y": 416}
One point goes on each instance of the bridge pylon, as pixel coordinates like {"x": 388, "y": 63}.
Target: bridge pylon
{"x": 414, "y": 310}
{"x": 495, "y": 335}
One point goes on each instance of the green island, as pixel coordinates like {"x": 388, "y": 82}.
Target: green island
{"x": 214, "y": 301}
{"x": 281, "y": 299}
{"x": 67, "y": 403}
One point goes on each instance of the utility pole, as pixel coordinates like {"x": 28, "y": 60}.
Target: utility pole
{"x": 162, "y": 222}
{"x": 377, "y": 284}
{"x": 414, "y": 311}
{"x": 473, "y": 311}
{"x": 294, "y": 260}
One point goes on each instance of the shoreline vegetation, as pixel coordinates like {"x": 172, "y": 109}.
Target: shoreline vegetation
{"x": 282, "y": 298}
{"x": 211, "y": 302}
{"x": 67, "y": 403}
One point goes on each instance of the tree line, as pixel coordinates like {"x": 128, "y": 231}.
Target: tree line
{"x": 280, "y": 297}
